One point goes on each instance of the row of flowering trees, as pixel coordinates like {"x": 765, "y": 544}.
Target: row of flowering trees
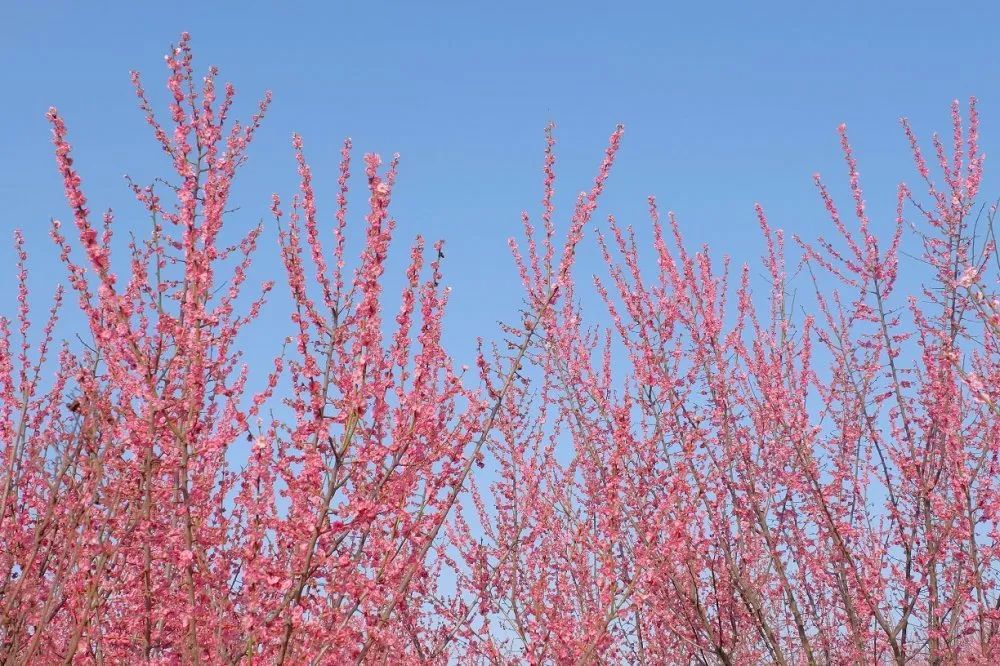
{"x": 706, "y": 474}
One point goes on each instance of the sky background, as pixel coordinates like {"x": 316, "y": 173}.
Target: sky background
{"x": 724, "y": 105}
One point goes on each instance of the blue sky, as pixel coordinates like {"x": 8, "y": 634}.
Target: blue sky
{"x": 723, "y": 106}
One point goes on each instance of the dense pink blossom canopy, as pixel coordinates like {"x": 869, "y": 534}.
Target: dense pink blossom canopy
{"x": 791, "y": 464}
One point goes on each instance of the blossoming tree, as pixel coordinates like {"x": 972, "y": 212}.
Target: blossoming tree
{"x": 707, "y": 473}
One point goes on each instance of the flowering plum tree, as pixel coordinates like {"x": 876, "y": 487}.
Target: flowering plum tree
{"x": 703, "y": 474}
{"x": 763, "y": 485}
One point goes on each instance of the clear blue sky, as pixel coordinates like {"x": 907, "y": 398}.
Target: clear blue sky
{"x": 723, "y": 105}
